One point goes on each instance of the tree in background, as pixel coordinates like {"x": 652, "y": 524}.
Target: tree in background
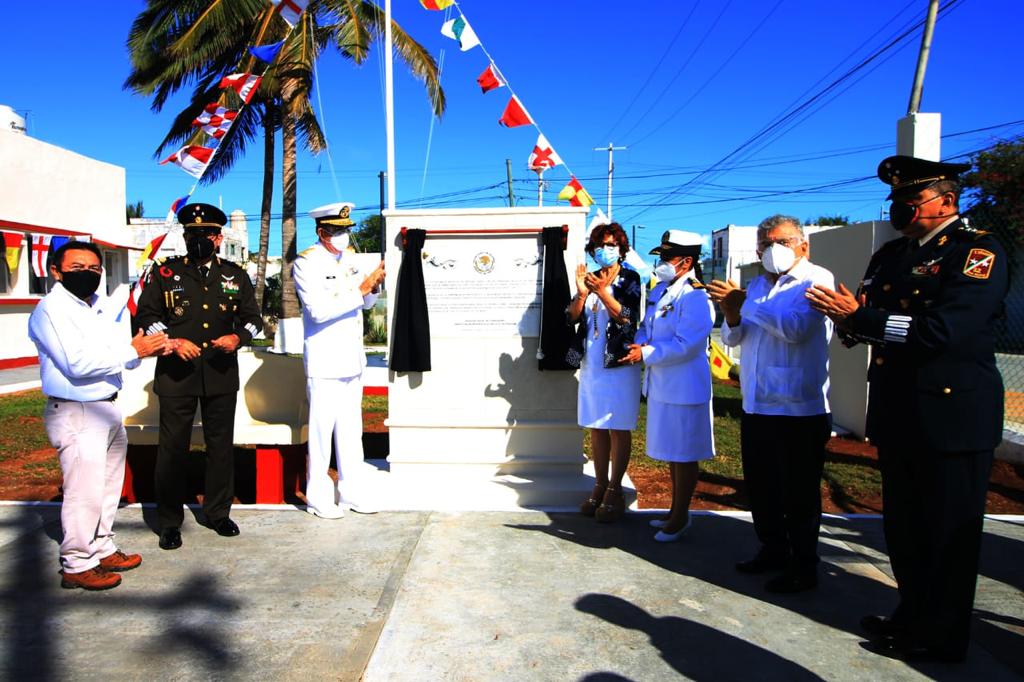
{"x": 829, "y": 220}
{"x": 995, "y": 189}
{"x": 366, "y": 234}
{"x": 133, "y": 211}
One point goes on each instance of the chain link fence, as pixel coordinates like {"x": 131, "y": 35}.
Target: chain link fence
{"x": 1009, "y": 331}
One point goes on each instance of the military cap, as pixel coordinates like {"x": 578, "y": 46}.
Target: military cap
{"x": 334, "y": 214}
{"x": 201, "y": 215}
{"x": 678, "y": 243}
{"x": 904, "y": 173}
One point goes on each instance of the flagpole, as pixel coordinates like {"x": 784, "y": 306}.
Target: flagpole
{"x": 540, "y": 187}
{"x": 389, "y": 103}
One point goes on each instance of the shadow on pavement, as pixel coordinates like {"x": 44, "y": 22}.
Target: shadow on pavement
{"x": 696, "y": 651}
{"x": 35, "y": 609}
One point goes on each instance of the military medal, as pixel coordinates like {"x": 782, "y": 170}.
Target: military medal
{"x": 178, "y": 311}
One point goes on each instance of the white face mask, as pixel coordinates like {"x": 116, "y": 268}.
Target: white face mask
{"x": 340, "y": 241}
{"x": 778, "y": 259}
{"x": 665, "y": 272}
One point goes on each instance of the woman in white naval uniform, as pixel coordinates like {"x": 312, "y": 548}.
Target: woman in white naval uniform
{"x": 333, "y": 293}
{"x": 672, "y": 342}
{"x": 607, "y": 307}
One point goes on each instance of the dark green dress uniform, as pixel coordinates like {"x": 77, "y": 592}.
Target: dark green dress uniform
{"x": 186, "y": 303}
{"x": 935, "y": 412}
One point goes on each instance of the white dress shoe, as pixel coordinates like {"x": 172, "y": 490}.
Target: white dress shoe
{"x": 662, "y": 536}
{"x": 658, "y": 523}
{"x": 362, "y": 507}
{"x": 332, "y": 512}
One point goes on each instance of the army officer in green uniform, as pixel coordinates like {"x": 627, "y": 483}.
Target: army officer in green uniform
{"x": 927, "y": 306}
{"x": 207, "y": 306}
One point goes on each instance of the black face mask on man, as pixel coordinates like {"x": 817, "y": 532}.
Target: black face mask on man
{"x": 81, "y": 283}
{"x": 903, "y": 215}
{"x": 199, "y": 247}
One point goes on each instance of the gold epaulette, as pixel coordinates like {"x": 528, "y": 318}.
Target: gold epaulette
{"x": 306, "y": 252}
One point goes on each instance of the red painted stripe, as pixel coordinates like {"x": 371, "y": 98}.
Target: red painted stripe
{"x": 375, "y": 390}
{"x": 20, "y": 301}
{"x": 10, "y": 224}
{"x": 11, "y": 363}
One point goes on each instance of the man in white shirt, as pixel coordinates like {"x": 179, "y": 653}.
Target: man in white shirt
{"x": 786, "y": 420}
{"x": 82, "y": 352}
{"x": 334, "y": 293}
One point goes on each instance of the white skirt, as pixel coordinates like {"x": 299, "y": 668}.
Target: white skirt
{"x": 608, "y": 398}
{"x": 679, "y": 433}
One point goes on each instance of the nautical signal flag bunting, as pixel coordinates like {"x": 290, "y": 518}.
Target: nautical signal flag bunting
{"x": 514, "y": 114}
{"x": 543, "y": 156}
{"x": 436, "y": 4}
{"x": 245, "y": 84}
{"x": 459, "y": 29}
{"x": 575, "y": 194}
{"x": 490, "y": 79}
{"x": 290, "y": 10}
{"x": 191, "y": 159}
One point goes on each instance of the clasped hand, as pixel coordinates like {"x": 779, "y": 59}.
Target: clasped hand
{"x": 371, "y": 285}
{"x": 728, "y": 295}
{"x": 836, "y": 305}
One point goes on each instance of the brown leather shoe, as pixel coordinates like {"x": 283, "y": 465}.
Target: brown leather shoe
{"x": 119, "y": 561}
{"x": 94, "y": 579}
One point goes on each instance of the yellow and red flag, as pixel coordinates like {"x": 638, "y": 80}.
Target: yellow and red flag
{"x": 720, "y": 362}
{"x": 436, "y": 4}
{"x": 12, "y": 251}
{"x": 575, "y": 194}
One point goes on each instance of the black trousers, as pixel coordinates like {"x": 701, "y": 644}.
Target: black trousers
{"x": 782, "y": 462}
{"x": 176, "y": 416}
{"x": 934, "y": 506}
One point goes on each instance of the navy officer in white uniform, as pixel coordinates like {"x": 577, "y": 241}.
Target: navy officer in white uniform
{"x": 672, "y": 342}
{"x": 334, "y": 293}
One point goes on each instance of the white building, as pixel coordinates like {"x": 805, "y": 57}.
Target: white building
{"x": 47, "y": 192}
{"x": 235, "y": 246}
{"x": 735, "y": 246}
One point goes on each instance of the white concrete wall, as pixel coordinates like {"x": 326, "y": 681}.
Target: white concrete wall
{"x": 41, "y": 184}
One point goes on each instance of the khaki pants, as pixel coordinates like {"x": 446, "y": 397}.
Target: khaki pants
{"x": 91, "y": 443}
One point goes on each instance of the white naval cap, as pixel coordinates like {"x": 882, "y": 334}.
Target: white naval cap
{"x": 678, "y": 243}
{"x": 334, "y": 214}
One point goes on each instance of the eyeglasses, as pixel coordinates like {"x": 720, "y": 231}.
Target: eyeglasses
{"x": 98, "y": 269}
{"x": 788, "y": 242}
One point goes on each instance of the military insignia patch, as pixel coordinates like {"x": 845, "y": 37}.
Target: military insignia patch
{"x": 943, "y": 239}
{"x": 228, "y": 285}
{"x": 165, "y": 271}
{"x": 979, "y": 263}
{"x": 179, "y": 311}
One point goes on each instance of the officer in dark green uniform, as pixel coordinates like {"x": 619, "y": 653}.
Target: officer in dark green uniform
{"x": 207, "y": 306}
{"x": 927, "y": 306}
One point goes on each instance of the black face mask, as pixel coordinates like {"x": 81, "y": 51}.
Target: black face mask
{"x": 903, "y": 215}
{"x": 82, "y": 283}
{"x": 199, "y": 248}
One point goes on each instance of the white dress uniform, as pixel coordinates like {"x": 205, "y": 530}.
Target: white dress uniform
{"x": 677, "y": 380}
{"x": 82, "y": 352}
{"x": 334, "y": 358}
{"x": 608, "y": 398}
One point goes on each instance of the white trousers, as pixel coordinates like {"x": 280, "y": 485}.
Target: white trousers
{"x": 335, "y": 412}
{"x": 91, "y": 444}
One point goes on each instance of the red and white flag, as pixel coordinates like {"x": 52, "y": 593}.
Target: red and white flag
{"x": 514, "y": 114}
{"x": 214, "y": 115}
{"x": 245, "y": 84}
{"x": 218, "y": 130}
{"x": 191, "y": 159}
{"x": 543, "y": 156}
{"x": 290, "y": 10}
{"x": 40, "y": 247}
{"x": 490, "y": 79}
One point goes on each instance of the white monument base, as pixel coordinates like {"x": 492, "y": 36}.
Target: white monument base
{"x": 289, "y": 336}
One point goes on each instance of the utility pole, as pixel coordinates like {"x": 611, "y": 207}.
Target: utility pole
{"x": 611, "y": 170}
{"x": 540, "y": 186}
{"x": 922, "y": 57}
{"x": 508, "y": 173}
{"x": 632, "y": 242}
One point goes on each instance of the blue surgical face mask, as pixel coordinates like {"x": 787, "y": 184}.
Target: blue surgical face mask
{"x": 606, "y": 256}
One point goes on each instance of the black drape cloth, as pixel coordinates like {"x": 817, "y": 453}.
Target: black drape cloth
{"x": 410, "y": 333}
{"x": 555, "y": 331}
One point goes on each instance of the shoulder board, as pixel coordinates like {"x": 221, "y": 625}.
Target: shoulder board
{"x": 306, "y": 252}
{"x": 969, "y": 233}
{"x": 695, "y": 284}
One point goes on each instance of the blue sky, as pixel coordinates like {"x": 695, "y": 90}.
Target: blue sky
{"x": 681, "y": 83}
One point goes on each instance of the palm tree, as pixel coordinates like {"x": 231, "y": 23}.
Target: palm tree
{"x": 175, "y": 43}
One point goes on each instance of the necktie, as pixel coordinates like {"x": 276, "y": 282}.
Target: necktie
{"x": 204, "y": 270}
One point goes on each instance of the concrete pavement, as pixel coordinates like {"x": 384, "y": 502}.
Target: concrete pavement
{"x": 471, "y": 596}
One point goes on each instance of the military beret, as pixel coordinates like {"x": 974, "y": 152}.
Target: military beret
{"x": 201, "y": 215}
{"x": 904, "y": 173}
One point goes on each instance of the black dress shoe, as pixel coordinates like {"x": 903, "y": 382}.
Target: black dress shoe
{"x": 170, "y": 538}
{"x": 762, "y": 563}
{"x": 225, "y": 527}
{"x": 904, "y": 650}
{"x": 880, "y": 626}
{"x": 790, "y": 582}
